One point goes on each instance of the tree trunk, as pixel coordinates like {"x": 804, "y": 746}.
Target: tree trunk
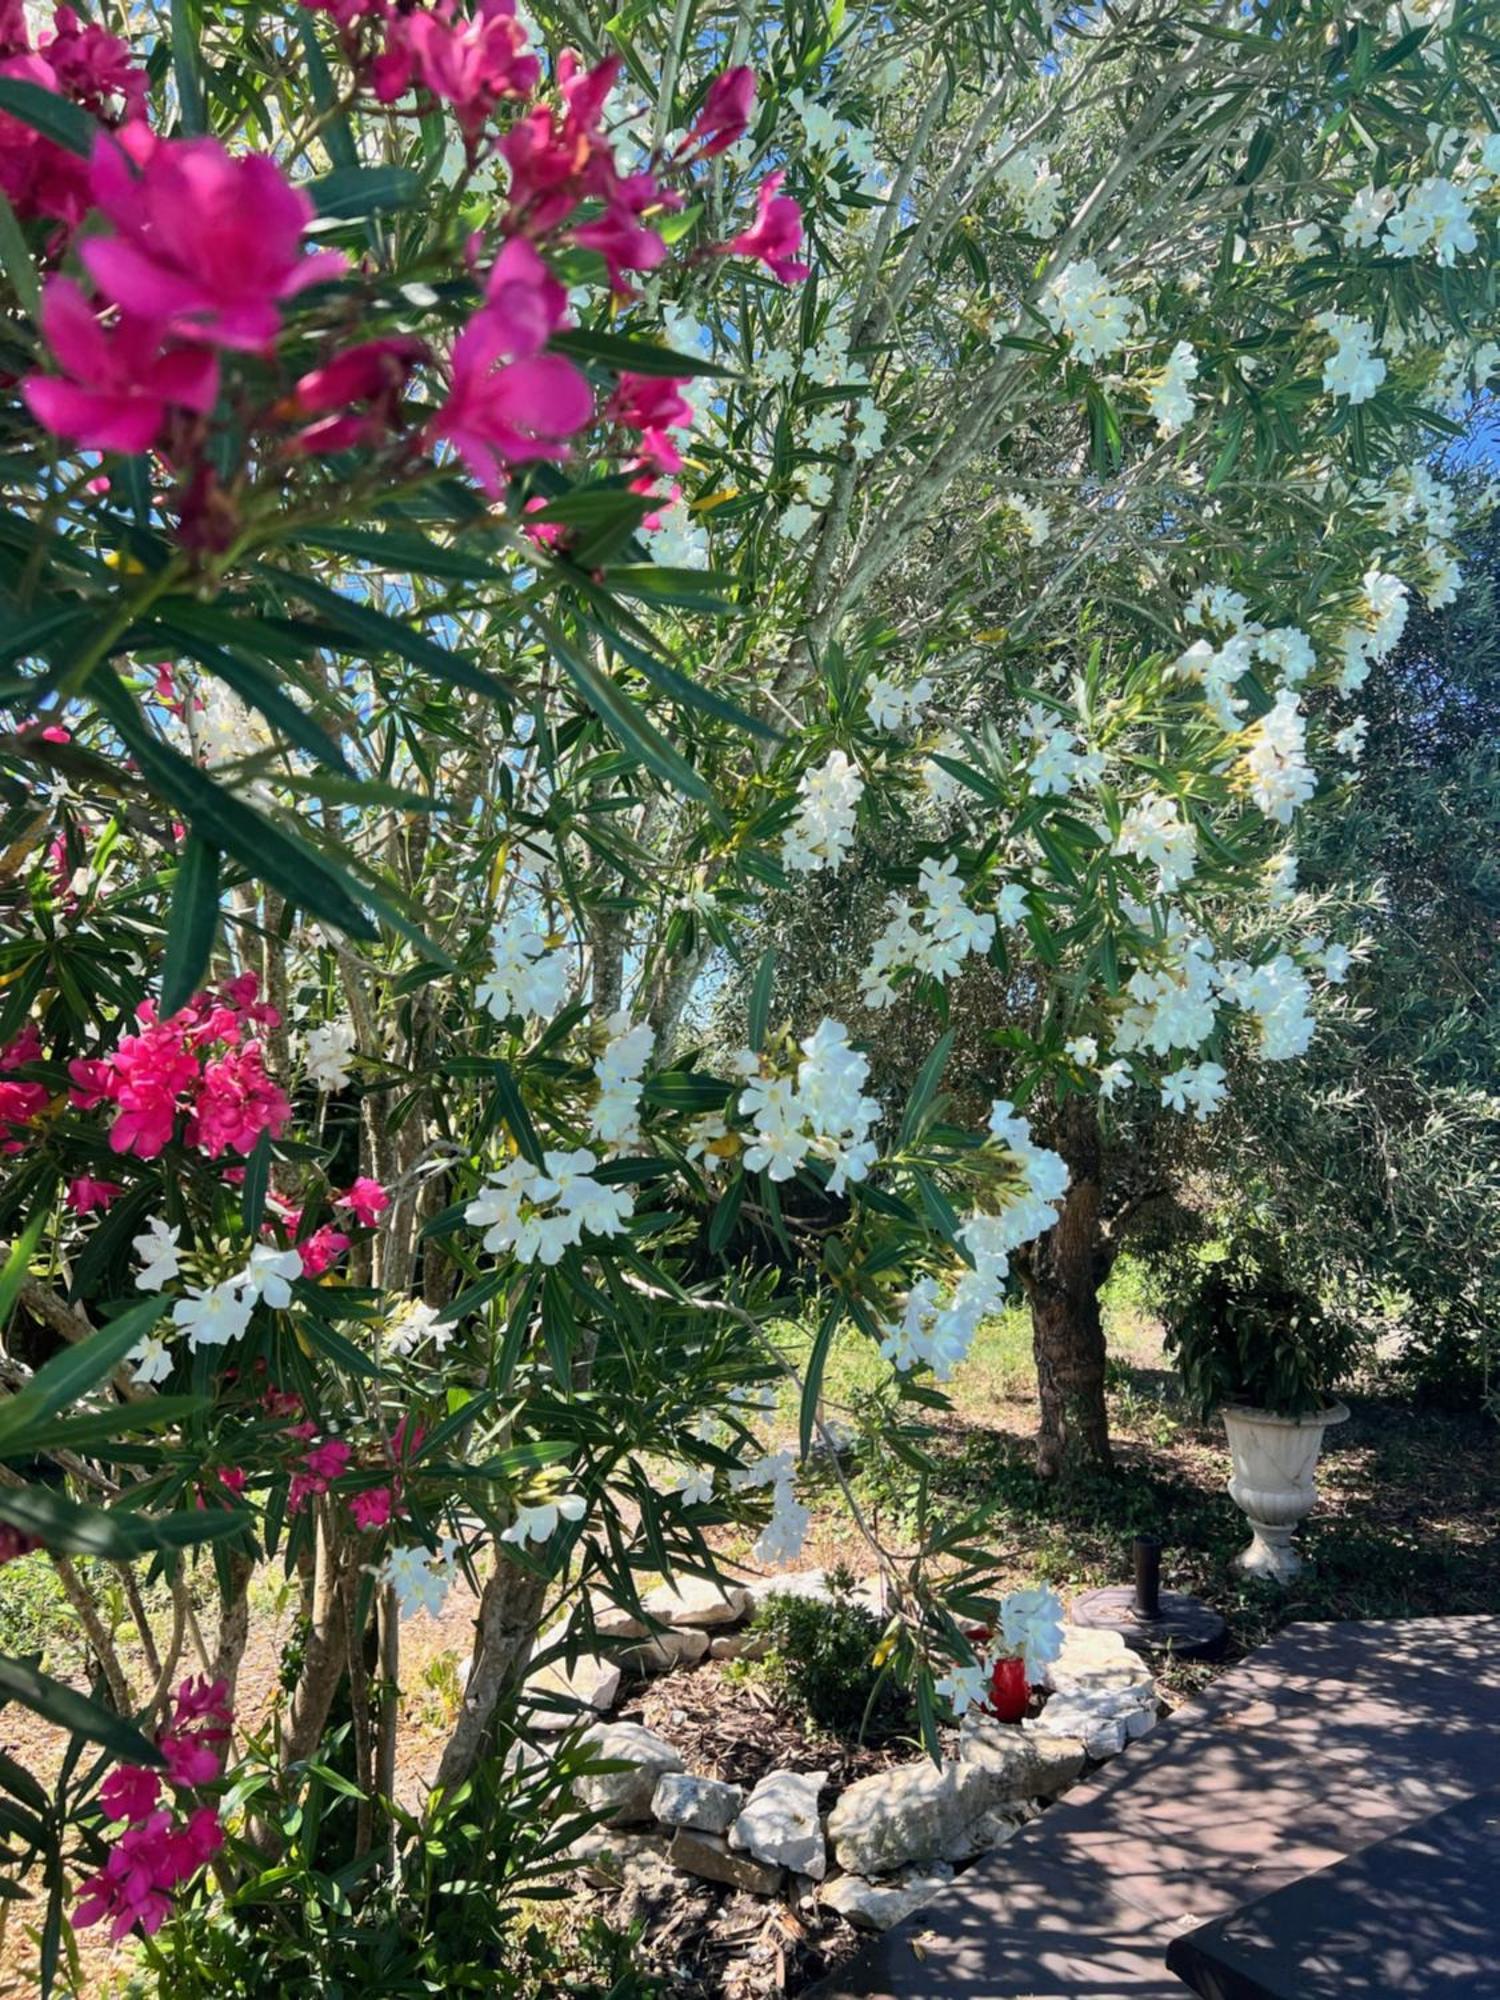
{"x": 1062, "y": 1274}
{"x": 510, "y": 1610}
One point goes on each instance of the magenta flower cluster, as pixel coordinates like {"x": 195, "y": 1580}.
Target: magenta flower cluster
{"x": 160, "y": 1847}
{"x": 202, "y": 1065}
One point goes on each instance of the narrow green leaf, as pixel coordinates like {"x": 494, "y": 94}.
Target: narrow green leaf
{"x": 760, "y": 1001}
{"x": 640, "y": 357}
{"x": 513, "y": 1110}
{"x": 191, "y": 924}
{"x": 55, "y": 117}
{"x": 16, "y": 260}
{"x": 187, "y": 66}
{"x": 335, "y": 132}
{"x": 726, "y": 1213}
{"x": 256, "y": 1184}
{"x": 379, "y": 633}
{"x": 69, "y": 1375}
{"x": 925, "y": 1087}
{"x": 269, "y": 852}
{"x": 625, "y": 718}
{"x": 349, "y": 193}
{"x": 113, "y": 1534}
{"x": 13, "y": 1273}
{"x": 812, "y": 1374}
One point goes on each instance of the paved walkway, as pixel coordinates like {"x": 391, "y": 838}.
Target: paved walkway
{"x": 1322, "y": 1741}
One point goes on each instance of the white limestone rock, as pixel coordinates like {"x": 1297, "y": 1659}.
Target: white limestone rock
{"x": 625, "y": 1795}
{"x": 1093, "y": 1660}
{"x": 1104, "y": 1720}
{"x": 876, "y": 1906}
{"x": 711, "y": 1857}
{"x": 780, "y": 1822}
{"x": 694, "y": 1601}
{"x": 1020, "y": 1765}
{"x": 658, "y": 1655}
{"x": 593, "y": 1685}
{"x": 739, "y": 1646}
{"x": 704, "y": 1803}
{"x": 622, "y": 1860}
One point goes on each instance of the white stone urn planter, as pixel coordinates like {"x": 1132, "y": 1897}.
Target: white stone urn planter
{"x": 1274, "y": 1461}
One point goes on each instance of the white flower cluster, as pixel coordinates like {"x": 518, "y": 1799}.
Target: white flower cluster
{"x": 941, "y": 786}
{"x": 780, "y": 1541}
{"x": 822, "y": 1112}
{"x": 1168, "y": 397}
{"x": 1034, "y": 190}
{"x": 615, "y": 1118}
{"x": 1281, "y": 779}
{"x": 327, "y": 1054}
{"x": 1077, "y": 301}
{"x": 210, "y": 1315}
{"x": 1030, "y": 1629}
{"x": 1171, "y": 1005}
{"x": 414, "y": 1321}
{"x": 823, "y": 831}
{"x": 1353, "y": 369}
{"x": 421, "y": 1577}
{"x": 1277, "y": 994}
{"x": 540, "y": 1521}
{"x": 897, "y": 708}
{"x": 826, "y": 132}
{"x": 1155, "y": 831}
{"x": 1059, "y": 760}
{"x": 527, "y": 975}
{"x": 936, "y": 939}
{"x": 937, "y": 1332}
{"x": 678, "y": 540}
{"x": 1200, "y": 1086}
{"x": 537, "y": 1213}
{"x": 1032, "y": 516}
{"x": 1436, "y": 215}
{"x": 1384, "y": 605}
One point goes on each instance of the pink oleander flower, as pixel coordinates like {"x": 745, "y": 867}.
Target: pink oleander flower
{"x": 119, "y": 382}
{"x": 324, "y": 1462}
{"x": 130, "y": 1890}
{"x": 144, "y": 1077}
{"x": 366, "y": 1200}
{"x": 204, "y": 1703}
{"x": 323, "y": 1248}
{"x": 206, "y": 245}
{"x": 502, "y": 413}
{"x": 20, "y": 1103}
{"x": 190, "y": 1761}
{"x": 147, "y": 1862}
{"x": 237, "y": 1102}
{"x": 85, "y": 1195}
{"x": 725, "y": 116}
{"x": 776, "y": 234}
{"x": 38, "y": 177}
{"x": 469, "y": 61}
{"x": 624, "y": 243}
{"x": 654, "y": 406}
{"x": 94, "y": 68}
{"x": 524, "y": 304}
{"x": 130, "y": 1792}
{"x": 356, "y": 396}
{"x": 372, "y": 1508}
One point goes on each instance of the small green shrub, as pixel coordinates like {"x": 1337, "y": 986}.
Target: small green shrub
{"x": 822, "y": 1660}
{"x": 1242, "y": 1331}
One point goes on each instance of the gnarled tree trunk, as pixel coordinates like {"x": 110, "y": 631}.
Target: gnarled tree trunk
{"x": 1062, "y": 1272}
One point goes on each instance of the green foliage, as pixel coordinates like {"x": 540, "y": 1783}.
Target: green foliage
{"x": 822, "y": 1660}
{"x": 1376, "y": 1159}
{"x": 463, "y": 1913}
{"x": 1242, "y": 1331}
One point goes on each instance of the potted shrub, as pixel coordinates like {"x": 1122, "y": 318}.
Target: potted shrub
{"x": 1264, "y": 1352}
